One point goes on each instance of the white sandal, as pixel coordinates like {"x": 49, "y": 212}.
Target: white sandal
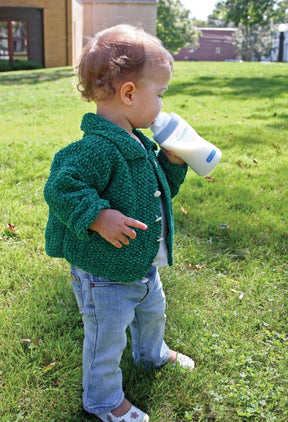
{"x": 133, "y": 415}
{"x": 184, "y": 362}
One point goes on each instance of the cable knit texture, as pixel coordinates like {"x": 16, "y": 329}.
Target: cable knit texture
{"x": 107, "y": 168}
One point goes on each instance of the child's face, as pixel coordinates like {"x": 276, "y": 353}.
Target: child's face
{"x": 148, "y": 97}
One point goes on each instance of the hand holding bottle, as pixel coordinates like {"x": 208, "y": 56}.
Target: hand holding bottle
{"x": 172, "y": 133}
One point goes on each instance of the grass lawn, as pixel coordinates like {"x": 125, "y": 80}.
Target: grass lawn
{"x": 227, "y": 302}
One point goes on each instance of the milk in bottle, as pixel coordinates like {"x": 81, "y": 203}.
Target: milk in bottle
{"x": 172, "y": 133}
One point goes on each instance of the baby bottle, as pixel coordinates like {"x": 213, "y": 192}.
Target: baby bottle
{"x": 171, "y": 132}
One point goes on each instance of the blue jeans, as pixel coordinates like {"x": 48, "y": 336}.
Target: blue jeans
{"x": 108, "y": 308}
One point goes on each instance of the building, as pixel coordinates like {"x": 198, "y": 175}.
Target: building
{"x": 215, "y": 44}
{"x": 99, "y": 14}
{"x": 53, "y": 32}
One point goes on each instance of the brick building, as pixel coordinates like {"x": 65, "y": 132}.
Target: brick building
{"x": 215, "y": 44}
{"x": 53, "y": 32}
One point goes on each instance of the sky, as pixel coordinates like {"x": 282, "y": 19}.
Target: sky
{"x": 200, "y": 9}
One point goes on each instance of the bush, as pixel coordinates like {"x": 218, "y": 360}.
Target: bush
{"x": 6, "y": 66}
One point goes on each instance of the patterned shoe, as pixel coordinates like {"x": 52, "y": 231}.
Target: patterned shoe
{"x": 133, "y": 415}
{"x": 184, "y": 362}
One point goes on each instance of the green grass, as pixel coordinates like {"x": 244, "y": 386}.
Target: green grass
{"x": 230, "y": 315}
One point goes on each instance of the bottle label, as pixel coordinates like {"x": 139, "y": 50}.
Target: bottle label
{"x": 211, "y": 156}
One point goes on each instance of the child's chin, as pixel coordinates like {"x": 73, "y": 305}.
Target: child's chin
{"x": 146, "y": 125}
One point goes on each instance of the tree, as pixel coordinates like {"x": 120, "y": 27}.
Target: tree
{"x": 174, "y": 26}
{"x": 253, "y": 18}
{"x": 281, "y": 12}
{"x": 247, "y": 12}
{"x": 257, "y": 43}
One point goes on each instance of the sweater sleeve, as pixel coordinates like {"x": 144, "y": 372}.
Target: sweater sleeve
{"x": 175, "y": 174}
{"x": 72, "y": 198}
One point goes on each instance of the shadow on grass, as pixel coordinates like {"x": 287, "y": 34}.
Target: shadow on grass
{"x": 33, "y": 77}
{"x": 198, "y": 86}
{"x": 244, "y": 86}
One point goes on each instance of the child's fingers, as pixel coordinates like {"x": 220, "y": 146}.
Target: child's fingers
{"x": 172, "y": 157}
{"x": 129, "y": 232}
{"x": 135, "y": 223}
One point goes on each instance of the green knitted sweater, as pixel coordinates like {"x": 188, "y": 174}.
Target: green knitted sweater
{"x": 107, "y": 168}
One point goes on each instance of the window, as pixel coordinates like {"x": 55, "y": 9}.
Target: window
{"x": 13, "y": 40}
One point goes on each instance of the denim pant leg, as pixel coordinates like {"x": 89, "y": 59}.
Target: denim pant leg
{"x": 148, "y": 326}
{"x": 104, "y": 341}
{"x": 107, "y": 308}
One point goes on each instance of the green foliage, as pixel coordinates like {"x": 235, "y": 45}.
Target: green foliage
{"x": 6, "y": 66}
{"x": 247, "y": 12}
{"x": 255, "y": 42}
{"x": 227, "y": 301}
{"x": 281, "y": 15}
{"x": 255, "y": 21}
{"x": 174, "y": 26}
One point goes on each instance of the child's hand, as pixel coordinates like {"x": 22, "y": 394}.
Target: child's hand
{"x": 172, "y": 157}
{"x": 114, "y": 227}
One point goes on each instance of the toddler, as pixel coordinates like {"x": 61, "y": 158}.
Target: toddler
{"x": 110, "y": 214}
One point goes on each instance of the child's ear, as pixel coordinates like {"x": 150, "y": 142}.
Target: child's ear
{"x": 127, "y": 91}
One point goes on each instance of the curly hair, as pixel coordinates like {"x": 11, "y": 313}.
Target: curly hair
{"x": 115, "y": 54}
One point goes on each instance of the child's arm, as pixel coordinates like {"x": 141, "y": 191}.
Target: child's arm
{"x": 115, "y": 227}
{"x": 175, "y": 174}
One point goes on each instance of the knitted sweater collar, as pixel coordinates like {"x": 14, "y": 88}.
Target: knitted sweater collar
{"x": 94, "y": 124}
